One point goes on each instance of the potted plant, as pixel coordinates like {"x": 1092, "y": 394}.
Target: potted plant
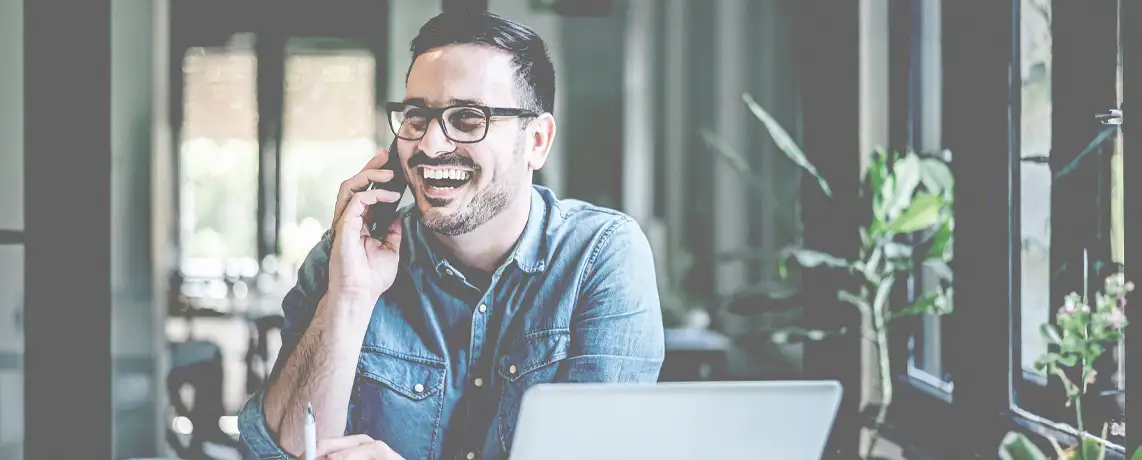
{"x": 907, "y": 200}
{"x": 1082, "y": 332}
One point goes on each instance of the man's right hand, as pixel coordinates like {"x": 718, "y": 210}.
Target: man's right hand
{"x": 361, "y": 267}
{"x": 358, "y": 446}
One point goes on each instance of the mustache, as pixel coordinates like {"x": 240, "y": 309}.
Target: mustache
{"x": 449, "y": 159}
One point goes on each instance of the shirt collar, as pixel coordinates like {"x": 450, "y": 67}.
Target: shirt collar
{"x": 527, "y": 254}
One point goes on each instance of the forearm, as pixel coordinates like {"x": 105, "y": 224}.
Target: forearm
{"x": 320, "y": 371}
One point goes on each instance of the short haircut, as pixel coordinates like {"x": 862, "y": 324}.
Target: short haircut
{"x": 534, "y": 73}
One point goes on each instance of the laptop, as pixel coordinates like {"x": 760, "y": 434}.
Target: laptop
{"x": 786, "y": 420}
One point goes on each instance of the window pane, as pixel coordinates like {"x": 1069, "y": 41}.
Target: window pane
{"x": 1035, "y": 179}
{"x": 927, "y": 351}
{"x": 11, "y": 352}
{"x": 1117, "y": 210}
{"x": 219, "y": 162}
{"x": 1096, "y": 186}
{"x": 330, "y": 133}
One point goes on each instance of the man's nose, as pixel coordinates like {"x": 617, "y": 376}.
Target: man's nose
{"x": 434, "y": 141}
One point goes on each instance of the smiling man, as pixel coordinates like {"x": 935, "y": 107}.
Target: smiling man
{"x": 422, "y": 345}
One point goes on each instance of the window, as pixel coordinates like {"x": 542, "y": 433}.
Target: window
{"x": 926, "y": 357}
{"x": 1035, "y": 179}
{"x": 1071, "y": 200}
{"x": 330, "y": 133}
{"x": 11, "y": 230}
{"x": 218, "y": 162}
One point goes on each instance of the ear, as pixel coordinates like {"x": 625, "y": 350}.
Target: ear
{"x": 541, "y": 136}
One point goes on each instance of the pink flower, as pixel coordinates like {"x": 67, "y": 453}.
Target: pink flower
{"x": 1116, "y": 319}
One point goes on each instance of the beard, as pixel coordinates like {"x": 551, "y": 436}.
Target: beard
{"x": 486, "y": 204}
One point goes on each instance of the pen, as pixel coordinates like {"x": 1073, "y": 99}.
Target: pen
{"x": 310, "y": 434}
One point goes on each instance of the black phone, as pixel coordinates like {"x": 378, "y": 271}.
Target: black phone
{"x": 382, "y": 214}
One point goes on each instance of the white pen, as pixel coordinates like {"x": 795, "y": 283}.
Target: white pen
{"x": 310, "y": 434}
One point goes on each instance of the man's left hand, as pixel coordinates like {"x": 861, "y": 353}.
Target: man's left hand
{"x": 356, "y": 447}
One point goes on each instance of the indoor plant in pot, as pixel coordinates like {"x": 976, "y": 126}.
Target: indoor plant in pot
{"x": 907, "y": 202}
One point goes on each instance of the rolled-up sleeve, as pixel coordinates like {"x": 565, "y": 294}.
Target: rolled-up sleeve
{"x": 617, "y": 333}
{"x": 255, "y": 440}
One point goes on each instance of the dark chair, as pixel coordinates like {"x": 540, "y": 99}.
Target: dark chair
{"x": 198, "y": 364}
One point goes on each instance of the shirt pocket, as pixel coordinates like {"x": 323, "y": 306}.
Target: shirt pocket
{"x": 530, "y": 361}
{"x": 400, "y": 399}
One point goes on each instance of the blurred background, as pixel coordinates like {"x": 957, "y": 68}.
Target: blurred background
{"x": 227, "y": 127}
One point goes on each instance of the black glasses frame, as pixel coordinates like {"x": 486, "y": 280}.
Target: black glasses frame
{"x": 438, "y": 115}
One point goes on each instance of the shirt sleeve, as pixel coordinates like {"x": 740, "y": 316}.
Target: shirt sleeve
{"x": 255, "y": 440}
{"x": 617, "y": 332}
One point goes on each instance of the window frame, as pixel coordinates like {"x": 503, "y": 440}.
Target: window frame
{"x": 314, "y": 28}
{"x": 1131, "y": 13}
{"x": 982, "y": 113}
{"x": 1083, "y": 79}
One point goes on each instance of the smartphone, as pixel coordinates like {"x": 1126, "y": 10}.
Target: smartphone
{"x": 380, "y": 215}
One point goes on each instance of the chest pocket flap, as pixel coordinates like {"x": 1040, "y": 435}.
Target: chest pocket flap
{"x": 412, "y": 376}
{"x": 535, "y": 351}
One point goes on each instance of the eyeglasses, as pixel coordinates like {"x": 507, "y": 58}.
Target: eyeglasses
{"x": 464, "y": 124}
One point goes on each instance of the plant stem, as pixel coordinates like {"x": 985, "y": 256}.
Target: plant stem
{"x": 880, "y": 327}
{"x": 1079, "y": 412}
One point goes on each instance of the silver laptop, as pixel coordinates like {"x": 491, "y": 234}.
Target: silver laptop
{"x": 786, "y": 420}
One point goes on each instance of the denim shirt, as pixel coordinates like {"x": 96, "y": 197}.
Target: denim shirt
{"x": 444, "y": 364}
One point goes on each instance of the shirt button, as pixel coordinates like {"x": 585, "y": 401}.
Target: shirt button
{"x": 470, "y": 456}
{"x": 448, "y": 271}
{"x": 418, "y": 388}
{"x": 483, "y": 308}
{"x": 479, "y": 382}
{"x": 512, "y": 369}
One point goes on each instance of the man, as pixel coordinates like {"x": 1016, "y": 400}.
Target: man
{"x": 422, "y": 345}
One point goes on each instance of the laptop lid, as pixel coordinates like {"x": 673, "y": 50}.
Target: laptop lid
{"x": 786, "y": 420}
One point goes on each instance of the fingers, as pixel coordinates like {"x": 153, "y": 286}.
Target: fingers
{"x": 378, "y": 160}
{"x": 356, "y": 184}
{"x": 392, "y": 239}
{"x": 373, "y": 450}
{"x": 329, "y": 446}
{"x": 352, "y": 217}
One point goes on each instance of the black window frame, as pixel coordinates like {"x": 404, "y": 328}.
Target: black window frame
{"x": 1083, "y": 79}
{"x": 275, "y": 27}
{"x": 981, "y": 116}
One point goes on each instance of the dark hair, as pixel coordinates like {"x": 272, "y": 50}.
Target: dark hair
{"x": 535, "y": 75}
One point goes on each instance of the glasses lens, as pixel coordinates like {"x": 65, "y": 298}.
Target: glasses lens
{"x": 465, "y": 124}
{"x": 408, "y": 123}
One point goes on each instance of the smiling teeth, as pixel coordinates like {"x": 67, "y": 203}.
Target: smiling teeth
{"x": 456, "y": 174}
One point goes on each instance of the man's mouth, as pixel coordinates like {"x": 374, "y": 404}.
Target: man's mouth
{"x": 445, "y": 178}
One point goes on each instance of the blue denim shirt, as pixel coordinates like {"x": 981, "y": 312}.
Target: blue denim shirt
{"x": 444, "y": 364}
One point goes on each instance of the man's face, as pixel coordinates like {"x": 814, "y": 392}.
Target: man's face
{"x": 460, "y": 186}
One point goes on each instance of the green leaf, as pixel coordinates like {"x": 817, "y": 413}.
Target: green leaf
{"x": 809, "y": 258}
{"x": 894, "y": 250}
{"x": 942, "y": 242}
{"x": 1050, "y": 334}
{"x": 922, "y": 305}
{"x": 940, "y": 269}
{"x": 906, "y": 177}
{"x": 1016, "y": 446}
{"x": 924, "y": 212}
{"x": 936, "y": 176}
{"x": 1093, "y": 449}
{"x": 785, "y": 142}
